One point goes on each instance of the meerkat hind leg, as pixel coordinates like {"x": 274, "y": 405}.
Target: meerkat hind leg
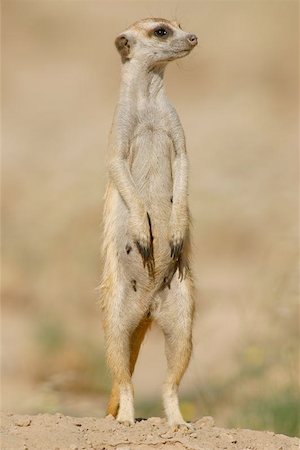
{"x": 123, "y": 342}
{"x": 136, "y": 340}
{"x": 114, "y": 400}
{"x": 121, "y": 400}
{"x": 176, "y": 323}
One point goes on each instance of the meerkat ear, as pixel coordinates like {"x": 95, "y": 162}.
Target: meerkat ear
{"x": 124, "y": 43}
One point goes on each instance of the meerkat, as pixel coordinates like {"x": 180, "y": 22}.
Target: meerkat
{"x": 146, "y": 243}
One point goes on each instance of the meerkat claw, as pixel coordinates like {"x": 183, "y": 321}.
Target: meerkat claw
{"x": 176, "y": 250}
{"x": 144, "y": 252}
{"x": 147, "y": 257}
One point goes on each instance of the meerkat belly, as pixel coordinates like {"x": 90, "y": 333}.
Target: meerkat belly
{"x": 151, "y": 170}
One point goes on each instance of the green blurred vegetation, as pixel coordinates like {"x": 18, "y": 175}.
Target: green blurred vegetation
{"x": 279, "y": 412}
{"x": 248, "y": 399}
{"x": 70, "y": 363}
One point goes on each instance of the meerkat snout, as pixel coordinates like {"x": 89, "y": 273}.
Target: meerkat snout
{"x": 193, "y": 40}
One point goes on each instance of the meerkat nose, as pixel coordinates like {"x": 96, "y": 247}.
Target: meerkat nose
{"x": 192, "y": 38}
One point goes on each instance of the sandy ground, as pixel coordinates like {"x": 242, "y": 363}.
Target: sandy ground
{"x": 58, "y": 432}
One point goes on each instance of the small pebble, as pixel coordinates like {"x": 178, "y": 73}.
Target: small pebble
{"x": 73, "y": 447}
{"x": 193, "y": 435}
{"x": 77, "y": 424}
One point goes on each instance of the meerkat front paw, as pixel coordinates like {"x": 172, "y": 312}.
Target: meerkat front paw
{"x": 176, "y": 244}
{"x": 142, "y": 235}
{"x": 140, "y": 230}
{"x": 177, "y": 236}
{"x": 176, "y": 240}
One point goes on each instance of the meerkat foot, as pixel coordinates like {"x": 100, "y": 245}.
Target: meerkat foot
{"x": 127, "y": 423}
{"x": 126, "y": 410}
{"x": 125, "y": 419}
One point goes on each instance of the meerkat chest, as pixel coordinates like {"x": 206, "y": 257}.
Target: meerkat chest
{"x": 152, "y": 118}
{"x": 151, "y": 141}
{"x": 151, "y": 153}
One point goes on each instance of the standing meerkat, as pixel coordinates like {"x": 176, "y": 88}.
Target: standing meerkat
{"x": 146, "y": 245}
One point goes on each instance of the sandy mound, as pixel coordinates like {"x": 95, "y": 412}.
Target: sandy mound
{"x": 58, "y": 432}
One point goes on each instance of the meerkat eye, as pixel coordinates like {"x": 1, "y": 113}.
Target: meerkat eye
{"x": 161, "y": 32}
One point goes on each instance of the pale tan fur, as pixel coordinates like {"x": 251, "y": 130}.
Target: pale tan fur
{"x": 146, "y": 245}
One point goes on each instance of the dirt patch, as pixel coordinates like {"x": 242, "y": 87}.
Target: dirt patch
{"x": 58, "y": 432}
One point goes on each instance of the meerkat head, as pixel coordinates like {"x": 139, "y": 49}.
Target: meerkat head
{"x": 154, "y": 41}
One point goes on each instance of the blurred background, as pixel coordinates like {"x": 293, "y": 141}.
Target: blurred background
{"x": 237, "y": 97}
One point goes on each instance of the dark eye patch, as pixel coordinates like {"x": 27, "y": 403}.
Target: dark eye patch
{"x": 162, "y": 31}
